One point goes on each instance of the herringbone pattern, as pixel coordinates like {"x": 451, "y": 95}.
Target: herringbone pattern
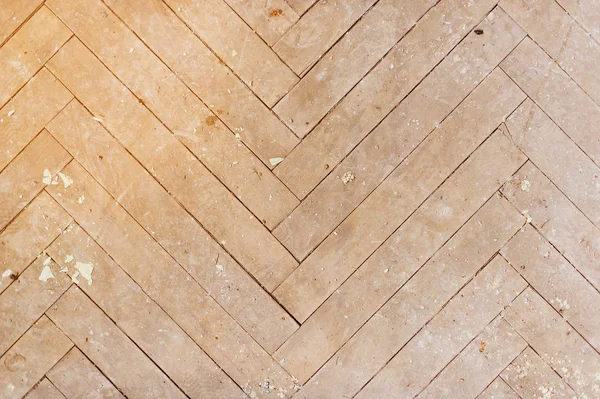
{"x": 318, "y": 199}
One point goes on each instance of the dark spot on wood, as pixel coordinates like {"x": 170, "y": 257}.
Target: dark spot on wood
{"x": 211, "y": 120}
{"x": 276, "y": 12}
{"x": 478, "y": 31}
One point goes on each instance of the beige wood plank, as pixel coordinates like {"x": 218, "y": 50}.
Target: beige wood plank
{"x": 30, "y": 110}
{"x": 472, "y": 370}
{"x": 142, "y": 319}
{"x": 238, "y": 46}
{"x": 173, "y": 228}
{"x": 109, "y": 348}
{"x": 165, "y": 282}
{"x": 213, "y": 82}
{"x": 168, "y": 98}
{"x": 27, "y": 51}
{"x": 78, "y": 378}
{"x": 188, "y": 181}
{"x": 553, "y": 91}
{"x": 440, "y": 147}
{"x": 22, "y": 179}
{"x": 388, "y": 83}
{"x": 553, "y": 152}
{"x": 171, "y": 101}
{"x": 555, "y": 341}
{"x": 586, "y": 12}
{"x": 29, "y": 233}
{"x": 44, "y": 390}
{"x": 557, "y": 281}
{"x": 28, "y": 360}
{"x": 28, "y": 298}
{"x": 571, "y": 47}
{"x": 269, "y": 18}
{"x": 301, "y": 5}
{"x": 347, "y": 62}
{"x": 318, "y": 30}
{"x": 529, "y": 376}
{"x": 390, "y": 329}
{"x": 389, "y": 269}
{"x": 557, "y": 219}
{"x": 13, "y": 13}
{"x": 498, "y": 390}
{"x": 445, "y": 336}
{"x": 386, "y": 209}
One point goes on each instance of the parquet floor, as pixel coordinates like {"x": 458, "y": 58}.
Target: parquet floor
{"x": 319, "y": 199}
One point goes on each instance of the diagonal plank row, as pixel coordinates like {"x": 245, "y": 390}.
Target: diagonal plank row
{"x": 317, "y": 199}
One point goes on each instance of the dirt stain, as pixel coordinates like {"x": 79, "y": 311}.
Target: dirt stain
{"x": 211, "y": 120}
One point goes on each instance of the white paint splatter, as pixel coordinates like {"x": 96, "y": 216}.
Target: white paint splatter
{"x": 47, "y": 177}
{"x": 525, "y": 185}
{"x": 275, "y": 161}
{"x": 7, "y": 273}
{"x": 69, "y": 258}
{"x": 67, "y": 181}
{"x": 85, "y": 269}
{"x": 46, "y": 273}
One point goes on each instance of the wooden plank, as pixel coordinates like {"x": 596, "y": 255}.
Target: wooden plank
{"x": 142, "y": 319}
{"x": 28, "y": 298}
{"x": 586, "y": 12}
{"x": 328, "y": 328}
{"x": 498, "y": 390}
{"x": 388, "y": 83}
{"x": 22, "y": 179}
{"x": 29, "y": 233}
{"x": 445, "y": 336}
{"x": 301, "y": 5}
{"x": 347, "y": 62}
{"x": 165, "y": 282}
{"x": 241, "y": 49}
{"x": 389, "y": 330}
{"x": 529, "y": 376}
{"x": 394, "y": 142}
{"x": 557, "y": 219}
{"x": 44, "y": 390}
{"x": 30, "y": 110}
{"x": 554, "y": 91}
{"x": 555, "y": 341}
{"x": 385, "y": 210}
{"x": 318, "y": 30}
{"x": 270, "y": 19}
{"x": 219, "y": 212}
{"x": 194, "y": 63}
{"x": 168, "y": 98}
{"x": 28, "y": 360}
{"x": 13, "y": 13}
{"x": 172, "y": 227}
{"x": 557, "y": 280}
{"x": 109, "y": 348}
{"x": 469, "y": 374}
{"x": 27, "y": 51}
{"x": 77, "y": 377}
{"x": 561, "y": 38}
{"x": 555, "y": 154}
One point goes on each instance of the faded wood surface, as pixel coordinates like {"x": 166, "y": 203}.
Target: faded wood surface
{"x": 299, "y": 198}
